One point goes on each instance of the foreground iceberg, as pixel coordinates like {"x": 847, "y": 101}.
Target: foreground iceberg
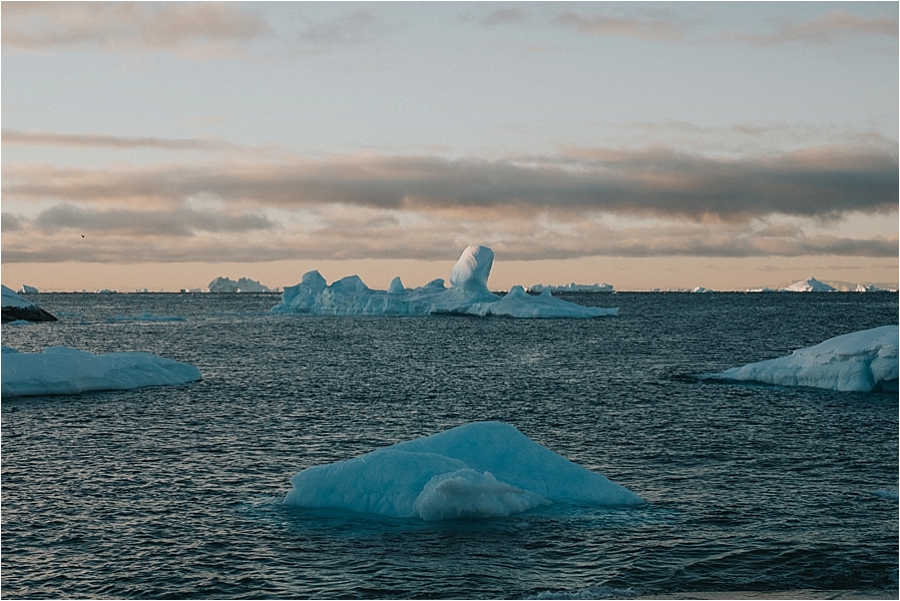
{"x": 860, "y": 361}
{"x": 479, "y": 470}
{"x": 15, "y": 308}
{"x": 468, "y": 294}
{"x": 64, "y": 370}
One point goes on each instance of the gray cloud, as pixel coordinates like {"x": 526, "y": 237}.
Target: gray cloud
{"x": 180, "y": 222}
{"x": 503, "y": 16}
{"x": 357, "y": 28}
{"x": 10, "y": 222}
{"x": 195, "y": 29}
{"x": 17, "y": 138}
{"x": 345, "y": 235}
{"x": 824, "y": 181}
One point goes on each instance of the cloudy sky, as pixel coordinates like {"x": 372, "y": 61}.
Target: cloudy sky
{"x": 671, "y": 145}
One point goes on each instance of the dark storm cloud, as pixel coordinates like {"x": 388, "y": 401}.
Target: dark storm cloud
{"x": 181, "y": 222}
{"x": 661, "y": 182}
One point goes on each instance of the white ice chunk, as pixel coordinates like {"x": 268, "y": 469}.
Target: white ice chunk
{"x": 468, "y": 294}
{"x": 859, "y": 361}
{"x": 64, "y": 370}
{"x": 479, "y": 470}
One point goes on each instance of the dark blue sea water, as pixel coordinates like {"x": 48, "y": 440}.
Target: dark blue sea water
{"x": 175, "y": 492}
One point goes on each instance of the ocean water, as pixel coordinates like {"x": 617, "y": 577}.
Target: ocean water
{"x": 176, "y": 492}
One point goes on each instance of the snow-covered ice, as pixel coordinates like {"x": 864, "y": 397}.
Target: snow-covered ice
{"x": 14, "y": 307}
{"x": 64, "y": 370}
{"x": 809, "y": 285}
{"x": 859, "y": 361}
{"x": 468, "y": 294}
{"x": 479, "y": 470}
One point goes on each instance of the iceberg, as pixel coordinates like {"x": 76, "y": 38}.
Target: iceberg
{"x": 860, "y": 361}
{"x": 468, "y": 295}
{"x": 478, "y": 470}
{"x": 64, "y": 370}
{"x": 26, "y": 289}
{"x": 573, "y": 287}
{"x": 14, "y": 308}
{"x": 226, "y": 285}
{"x": 809, "y": 285}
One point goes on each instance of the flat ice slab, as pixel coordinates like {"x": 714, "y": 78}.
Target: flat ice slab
{"x": 468, "y": 295}
{"x": 860, "y": 361}
{"x": 64, "y": 370}
{"x": 479, "y": 470}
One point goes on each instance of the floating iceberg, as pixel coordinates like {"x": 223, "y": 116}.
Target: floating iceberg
{"x": 64, "y": 370}
{"x": 226, "y": 285}
{"x": 479, "y": 470}
{"x": 468, "y": 294}
{"x": 809, "y": 285}
{"x": 860, "y": 361}
{"x": 14, "y": 307}
{"x": 573, "y": 287}
{"x": 26, "y": 289}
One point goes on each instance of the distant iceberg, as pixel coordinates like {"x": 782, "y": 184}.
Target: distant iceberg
{"x": 573, "y": 287}
{"x": 64, "y": 370}
{"x": 479, "y": 470}
{"x": 809, "y": 285}
{"x": 16, "y": 308}
{"x": 860, "y": 361}
{"x": 26, "y": 289}
{"x": 226, "y": 285}
{"x": 468, "y": 295}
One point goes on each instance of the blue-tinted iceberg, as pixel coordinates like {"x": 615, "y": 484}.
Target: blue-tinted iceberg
{"x": 64, "y": 370}
{"x": 479, "y": 470}
{"x": 468, "y": 294}
{"x": 859, "y": 361}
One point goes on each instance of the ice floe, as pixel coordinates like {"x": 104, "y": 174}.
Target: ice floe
{"x": 859, "y": 361}
{"x": 64, "y": 370}
{"x": 468, "y": 294}
{"x": 479, "y": 470}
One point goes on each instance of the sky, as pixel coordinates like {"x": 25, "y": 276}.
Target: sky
{"x": 645, "y": 145}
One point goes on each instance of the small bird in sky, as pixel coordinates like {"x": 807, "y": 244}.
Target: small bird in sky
{"x": 82, "y": 235}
